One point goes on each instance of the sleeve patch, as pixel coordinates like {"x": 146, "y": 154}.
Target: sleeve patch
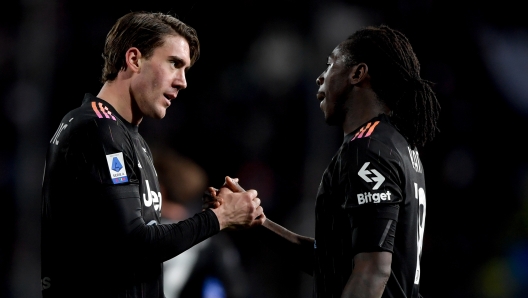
{"x": 116, "y": 167}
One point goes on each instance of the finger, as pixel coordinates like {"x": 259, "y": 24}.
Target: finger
{"x": 209, "y": 195}
{"x": 256, "y": 202}
{"x": 261, "y": 218}
{"x": 213, "y": 191}
{"x": 252, "y": 193}
{"x": 213, "y": 205}
{"x": 234, "y": 179}
{"x": 210, "y": 198}
{"x": 258, "y": 212}
{"x": 223, "y": 191}
{"x": 210, "y": 192}
{"x": 233, "y": 184}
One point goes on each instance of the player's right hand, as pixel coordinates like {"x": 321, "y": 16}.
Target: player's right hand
{"x": 239, "y": 209}
{"x": 210, "y": 198}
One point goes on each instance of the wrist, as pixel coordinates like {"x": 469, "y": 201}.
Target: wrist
{"x": 219, "y": 217}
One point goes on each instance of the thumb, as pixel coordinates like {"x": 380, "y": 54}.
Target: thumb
{"x": 232, "y": 185}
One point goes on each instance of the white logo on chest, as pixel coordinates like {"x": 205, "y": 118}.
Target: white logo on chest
{"x": 151, "y": 197}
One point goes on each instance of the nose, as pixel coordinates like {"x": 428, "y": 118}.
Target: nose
{"x": 320, "y": 79}
{"x": 180, "y": 82}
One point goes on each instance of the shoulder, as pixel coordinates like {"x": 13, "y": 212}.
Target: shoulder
{"x": 93, "y": 123}
{"x": 95, "y": 117}
{"x": 377, "y": 137}
{"x": 93, "y": 111}
{"x": 380, "y": 129}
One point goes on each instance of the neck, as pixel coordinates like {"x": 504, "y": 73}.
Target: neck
{"x": 117, "y": 94}
{"x": 361, "y": 110}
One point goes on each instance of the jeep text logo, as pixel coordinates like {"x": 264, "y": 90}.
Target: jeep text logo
{"x": 152, "y": 197}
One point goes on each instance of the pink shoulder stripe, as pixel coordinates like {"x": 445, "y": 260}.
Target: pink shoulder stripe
{"x": 102, "y": 109}
{"x": 366, "y": 130}
{"x": 94, "y": 107}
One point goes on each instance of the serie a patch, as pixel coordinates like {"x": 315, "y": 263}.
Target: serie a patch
{"x": 116, "y": 166}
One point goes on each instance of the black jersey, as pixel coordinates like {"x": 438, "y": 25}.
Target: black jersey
{"x": 101, "y": 206}
{"x": 371, "y": 198}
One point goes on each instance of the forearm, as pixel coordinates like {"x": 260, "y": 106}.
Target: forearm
{"x": 155, "y": 242}
{"x": 364, "y": 287}
{"x": 165, "y": 241}
{"x": 300, "y": 249}
{"x": 287, "y": 234}
{"x": 369, "y": 276}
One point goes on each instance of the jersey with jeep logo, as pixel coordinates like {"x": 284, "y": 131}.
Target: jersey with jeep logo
{"x": 371, "y": 198}
{"x": 101, "y": 207}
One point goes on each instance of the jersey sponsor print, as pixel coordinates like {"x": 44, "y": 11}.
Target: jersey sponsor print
{"x": 371, "y": 175}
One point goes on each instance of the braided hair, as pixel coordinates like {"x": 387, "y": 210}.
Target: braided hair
{"x": 395, "y": 78}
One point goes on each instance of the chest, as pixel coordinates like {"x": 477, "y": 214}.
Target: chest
{"x": 331, "y": 197}
{"x": 149, "y": 189}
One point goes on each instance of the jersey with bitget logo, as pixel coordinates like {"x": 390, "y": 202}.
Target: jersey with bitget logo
{"x": 371, "y": 199}
{"x": 101, "y": 207}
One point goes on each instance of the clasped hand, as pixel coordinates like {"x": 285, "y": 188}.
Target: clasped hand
{"x": 234, "y": 206}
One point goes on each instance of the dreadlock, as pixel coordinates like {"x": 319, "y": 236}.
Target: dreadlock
{"x": 395, "y": 78}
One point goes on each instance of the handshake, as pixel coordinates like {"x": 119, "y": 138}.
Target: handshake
{"x": 234, "y": 207}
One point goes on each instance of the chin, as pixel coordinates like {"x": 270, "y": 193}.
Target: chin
{"x": 333, "y": 120}
{"x": 160, "y": 112}
{"x": 159, "y": 115}
{"x": 330, "y": 123}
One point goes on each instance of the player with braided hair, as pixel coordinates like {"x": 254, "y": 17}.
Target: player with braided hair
{"x": 396, "y": 80}
{"x": 370, "y": 206}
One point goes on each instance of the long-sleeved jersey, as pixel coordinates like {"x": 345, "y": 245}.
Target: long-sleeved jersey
{"x": 101, "y": 206}
{"x": 371, "y": 198}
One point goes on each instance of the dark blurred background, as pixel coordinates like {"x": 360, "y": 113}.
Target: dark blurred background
{"x": 250, "y": 112}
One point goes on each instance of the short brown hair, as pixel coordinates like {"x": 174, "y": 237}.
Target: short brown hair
{"x": 145, "y": 31}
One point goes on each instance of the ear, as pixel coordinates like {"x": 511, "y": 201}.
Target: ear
{"x": 358, "y": 73}
{"x": 133, "y": 59}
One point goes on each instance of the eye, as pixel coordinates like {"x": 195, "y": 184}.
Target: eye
{"x": 176, "y": 63}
